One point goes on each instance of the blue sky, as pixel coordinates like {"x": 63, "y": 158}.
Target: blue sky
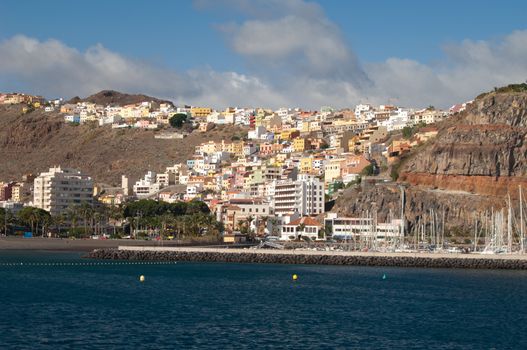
{"x": 229, "y": 52}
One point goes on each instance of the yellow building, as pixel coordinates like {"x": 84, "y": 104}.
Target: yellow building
{"x": 289, "y": 134}
{"x": 200, "y": 112}
{"x": 235, "y": 147}
{"x": 210, "y": 147}
{"x": 306, "y": 165}
{"x": 305, "y": 126}
{"x": 16, "y": 192}
{"x": 333, "y": 170}
{"x": 280, "y": 159}
{"x": 299, "y": 144}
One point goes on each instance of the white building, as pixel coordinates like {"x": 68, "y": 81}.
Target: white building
{"x": 356, "y": 228}
{"x": 304, "y": 196}
{"x": 303, "y": 227}
{"x": 147, "y": 186}
{"x": 361, "y": 108}
{"x": 60, "y": 188}
{"x": 126, "y": 185}
{"x": 112, "y": 119}
{"x": 259, "y": 132}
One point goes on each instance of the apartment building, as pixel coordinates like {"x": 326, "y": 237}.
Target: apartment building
{"x": 60, "y": 188}
{"x": 147, "y": 186}
{"x": 304, "y": 196}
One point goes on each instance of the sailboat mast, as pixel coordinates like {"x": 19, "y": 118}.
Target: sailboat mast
{"x": 521, "y": 220}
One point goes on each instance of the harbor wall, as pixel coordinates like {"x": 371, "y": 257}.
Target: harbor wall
{"x": 459, "y": 261}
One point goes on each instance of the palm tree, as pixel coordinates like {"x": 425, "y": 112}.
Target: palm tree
{"x": 59, "y": 220}
{"x": 166, "y": 219}
{"x": 250, "y": 232}
{"x": 72, "y": 215}
{"x": 300, "y": 228}
{"x": 115, "y": 214}
{"x": 274, "y": 227}
{"x": 6, "y": 219}
{"x": 28, "y": 216}
{"x": 86, "y": 211}
{"x": 45, "y": 220}
{"x": 262, "y": 225}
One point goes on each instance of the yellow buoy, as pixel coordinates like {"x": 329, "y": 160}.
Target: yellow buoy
{"x": 295, "y": 277}
{"x": 141, "y": 278}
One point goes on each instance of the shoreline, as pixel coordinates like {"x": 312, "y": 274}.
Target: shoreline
{"x": 78, "y": 245}
{"x": 422, "y": 260}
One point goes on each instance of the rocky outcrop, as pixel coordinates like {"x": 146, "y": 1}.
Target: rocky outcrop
{"x": 477, "y": 160}
{"x": 457, "y": 209}
{"x": 482, "y": 150}
{"x": 106, "y": 97}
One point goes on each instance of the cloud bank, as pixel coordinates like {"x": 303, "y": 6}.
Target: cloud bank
{"x": 296, "y": 55}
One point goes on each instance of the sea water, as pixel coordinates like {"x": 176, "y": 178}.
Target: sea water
{"x": 57, "y": 300}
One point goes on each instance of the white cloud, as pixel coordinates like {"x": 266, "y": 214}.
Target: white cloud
{"x": 306, "y": 58}
{"x": 297, "y": 57}
{"x": 298, "y": 40}
{"x": 469, "y": 68}
{"x": 54, "y": 69}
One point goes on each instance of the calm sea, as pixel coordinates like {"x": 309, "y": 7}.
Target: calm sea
{"x": 48, "y": 301}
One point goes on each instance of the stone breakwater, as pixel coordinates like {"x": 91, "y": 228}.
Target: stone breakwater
{"x": 313, "y": 257}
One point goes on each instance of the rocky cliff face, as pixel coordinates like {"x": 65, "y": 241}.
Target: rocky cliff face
{"x": 383, "y": 201}
{"x": 482, "y": 151}
{"x": 477, "y": 161}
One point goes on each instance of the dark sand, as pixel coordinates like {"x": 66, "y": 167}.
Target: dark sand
{"x": 37, "y": 243}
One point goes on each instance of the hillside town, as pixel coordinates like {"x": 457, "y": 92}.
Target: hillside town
{"x": 278, "y": 179}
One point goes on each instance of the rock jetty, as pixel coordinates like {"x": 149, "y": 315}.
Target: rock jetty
{"x": 457, "y": 261}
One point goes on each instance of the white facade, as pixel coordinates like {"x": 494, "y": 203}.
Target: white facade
{"x": 258, "y": 133}
{"x": 304, "y": 196}
{"x": 60, "y": 188}
{"x": 351, "y": 228}
{"x": 147, "y": 186}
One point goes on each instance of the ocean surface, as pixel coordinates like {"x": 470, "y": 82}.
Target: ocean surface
{"x": 56, "y": 300}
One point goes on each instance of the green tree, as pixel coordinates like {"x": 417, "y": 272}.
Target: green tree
{"x": 369, "y": 170}
{"x": 34, "y": 218}
{"x": 59, "y": 221}
{"x": 6, "y": 220}
{"x": 115, "y": 214}
{"x": 408, "y": 132}
{"x": 300, "y": 228}
{"x": 86, "y": 213}
{"x": 177, "y": 120}
{"x": 72, "y": 216}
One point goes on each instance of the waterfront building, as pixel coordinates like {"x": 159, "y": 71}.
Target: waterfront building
{"x": 303, "y": 227}
{"x": 304, "y": 196}
{"x": 60, "y": 188}
{"x": 365, "y": 227}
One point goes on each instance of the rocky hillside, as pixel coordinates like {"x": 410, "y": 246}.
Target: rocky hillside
{"x": 482, "y": 150}
{"x": 33, "y": 142}
{"x": 106, "y": 97}
{"x": 477, "y": 160}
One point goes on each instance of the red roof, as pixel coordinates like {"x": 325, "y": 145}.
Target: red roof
{"x": 306, "y": 220}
